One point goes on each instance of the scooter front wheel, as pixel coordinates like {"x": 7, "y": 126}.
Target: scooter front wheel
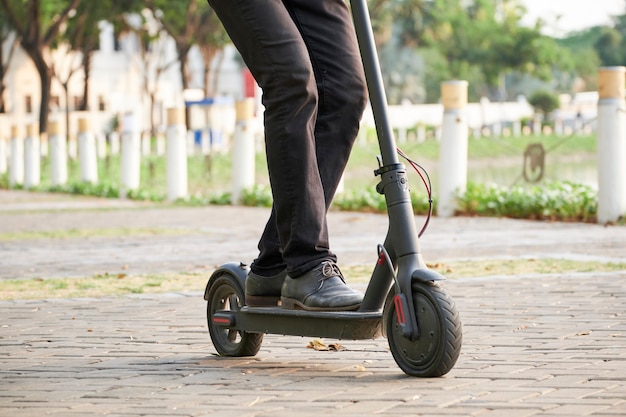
{"x": 226, "y": 293}
{"x": 436, "y": 349}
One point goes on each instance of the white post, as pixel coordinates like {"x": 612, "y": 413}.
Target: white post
{"x": 72, "y": 146}
{"x": 114, "y": 143}
{"x": 558, "y": 126}
{"x": 421, "y": 133}
{"x": 611, "y": 144}
{"x": 536, "y": 125}
{"x": 87, "y": 155}
{"x": 176, "y": 154}
{"x": 131, "y": 154}
{"x": 160, "y": 143}
{"x": 243, "y": 149}
{"x": 101, "y": 145}
{"x": 58, "y": 154}
{"x": 32, "y": 157}
{"x": 402, "y": 136}
{"x": 16, "y": 172}
{"x": 146, "y": 146}
{"x": 4, "y": 151}
{"x": 43, "y": 144}
{"x": 496, "y": 130}
{"x": 190, "y": 142}
{"x": 453, "y": 151}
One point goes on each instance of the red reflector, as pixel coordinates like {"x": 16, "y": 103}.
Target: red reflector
{"x": 397, "y": 301}
{"x": 221, "y": 320}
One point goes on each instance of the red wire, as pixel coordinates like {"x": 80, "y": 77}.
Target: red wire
{"x": 426, "y": 183}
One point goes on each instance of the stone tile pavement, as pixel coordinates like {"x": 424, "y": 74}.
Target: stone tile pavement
{"x": 549, "y": 345}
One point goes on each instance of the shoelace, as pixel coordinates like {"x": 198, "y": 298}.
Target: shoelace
{"x": 330, "y": 269}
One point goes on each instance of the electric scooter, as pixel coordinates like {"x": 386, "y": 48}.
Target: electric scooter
{"x": 404, "y": 300}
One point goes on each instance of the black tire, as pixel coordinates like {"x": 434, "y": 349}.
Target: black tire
{"x": 226, "y": 293}
{"x": 438, "y": 346}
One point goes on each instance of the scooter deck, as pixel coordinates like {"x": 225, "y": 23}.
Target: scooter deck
{"x": 353, "y": 325}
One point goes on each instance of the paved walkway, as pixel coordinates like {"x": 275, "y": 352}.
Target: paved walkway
{"x": 552, "y": 345}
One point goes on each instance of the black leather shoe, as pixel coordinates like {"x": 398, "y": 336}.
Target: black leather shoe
{"x": 264, "y": 291}
{"x": 321, "y": 289}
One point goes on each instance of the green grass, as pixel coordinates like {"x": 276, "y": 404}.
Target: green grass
{"x": 74, "y": 233}
{"x": 108, "y": 285}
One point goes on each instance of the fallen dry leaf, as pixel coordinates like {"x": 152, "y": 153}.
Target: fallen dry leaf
{"x": 321, "y": 346}
{"x": 336, "y": 347}
{"x": 317, "y": 345}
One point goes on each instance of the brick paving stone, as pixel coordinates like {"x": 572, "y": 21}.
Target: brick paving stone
{"x": 152, "y": 364}
{"x": 537, "y": 345}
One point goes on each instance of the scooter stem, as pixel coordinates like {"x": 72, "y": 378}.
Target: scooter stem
{"x": 378, "y": 99}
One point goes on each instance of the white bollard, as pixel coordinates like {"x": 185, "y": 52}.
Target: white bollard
{"x": 4, "y": 145}
{"x": 16, "y": 171}
{"x": 453, "y": 151}
{"x": 146, "y": 145}
{"x": 205, "y": 142}
{"x": 243, "y": 150}
{"x": 536, "y": 126}
{"x": 101, "y": 145}
{"x": 421, "y": 133}
{"x": 58, "y": 154}
{"x": 496, "y": 130}
{"x": 611, "y": 144}
{"x": 402, "y": 135}
{"x": 517, "y": 128}
{"x": 190, "y": 142}
{"x": 4, "y": 154}
{"x": 176, "y": 154}
{"x": 87, "y": 155}
{"x": 43, "y": 145}
{"x": 72, "y": 147}
{"x": 131, "y": 155}
{"x": 114, "y": 143}
{"x": 558, "y": 127}
{"x": 32, "y": 157}
{"x": 160, "y": 143}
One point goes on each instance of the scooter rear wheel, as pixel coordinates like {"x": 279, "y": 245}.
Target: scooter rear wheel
{"x": 226, "y": 293}
{"x": 438, "y": 345}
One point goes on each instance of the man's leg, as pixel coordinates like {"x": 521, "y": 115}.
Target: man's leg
{"x": 326, "y": 27}
{"x": 272, "y": 47}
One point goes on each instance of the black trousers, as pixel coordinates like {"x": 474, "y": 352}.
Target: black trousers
{"x": 304, "y": 56}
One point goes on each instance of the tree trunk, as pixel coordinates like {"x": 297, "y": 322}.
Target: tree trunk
{"x": 2, "y": 75}
{"x": 45, "y": 76}
{"x": 208, "y": 53}
{"x": 183, "y": 51}
{"x": 152, "y": 120}
{"x": 67, "y": 111}
{"x": 84, "y": 105}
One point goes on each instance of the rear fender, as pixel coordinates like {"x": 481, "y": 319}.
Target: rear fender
{"x": 236, "y": 269}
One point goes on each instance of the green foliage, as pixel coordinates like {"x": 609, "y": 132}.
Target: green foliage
{"x": 370, "y": 200}
{"x": 258, "y": 196}
{"x": 563, "y": 201}
{"x": 610, "y": 47}
{"x": 360, "y": 200}
{"x": 465, "y": 33}
{"x": 104, "y": 189}
{"x": 544, "y": 102}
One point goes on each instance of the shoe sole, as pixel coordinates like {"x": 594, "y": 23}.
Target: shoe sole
{"x": 262, "y": 301}
{"x": 291, "y": 304}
